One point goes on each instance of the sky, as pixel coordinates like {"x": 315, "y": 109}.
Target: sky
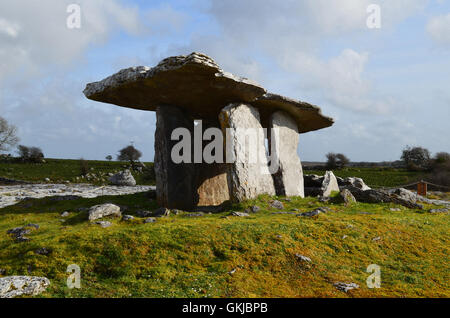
{"x": 385, "y": 87}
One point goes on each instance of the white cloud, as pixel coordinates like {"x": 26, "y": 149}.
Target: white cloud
{"x": 38, "y": 37}
{"x": 439, "y": 29}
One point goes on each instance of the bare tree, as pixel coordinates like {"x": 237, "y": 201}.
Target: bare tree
{"x": 8, "y": 137}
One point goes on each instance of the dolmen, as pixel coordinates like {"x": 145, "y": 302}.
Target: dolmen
{"x": 212, "y": 131}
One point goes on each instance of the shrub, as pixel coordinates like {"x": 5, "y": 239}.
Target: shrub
{"x": 84, "y": 167}
{"x": 30, "y": 154}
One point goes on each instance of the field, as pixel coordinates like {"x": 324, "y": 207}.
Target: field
{"x": 61, "y": 170}
{"x": 377, "y": 177}
{"x": 217, "y": 255}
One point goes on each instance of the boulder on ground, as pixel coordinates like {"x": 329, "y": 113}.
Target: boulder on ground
{"x": 379, "y": 196}
{"x": 355, "y": 182}
{"x": 313, "y": 180}
{"x": 347, "y": 197}
{"x": 13, "y": 286}
{"x": 99, "y": 211}
{"x": 123, "y": 178}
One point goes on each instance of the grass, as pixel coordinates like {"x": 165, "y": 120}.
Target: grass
{"x": 181, "y": 256}
{"x": 377, "y": 177}
{"x": 61, "y": 170}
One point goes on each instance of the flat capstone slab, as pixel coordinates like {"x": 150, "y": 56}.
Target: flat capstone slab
{"x": 198, "y": 85}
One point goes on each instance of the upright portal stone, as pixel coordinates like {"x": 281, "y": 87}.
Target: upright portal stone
{"x": 249, "y": 174}
{"x": 175, "y": 183}
{"x": 284, "y": 142}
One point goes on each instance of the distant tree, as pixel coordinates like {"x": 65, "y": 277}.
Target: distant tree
{"x": 416, "y": 158}
{"x": 130, "y": 154}
{"x": 336, "y": 161}
{"x": 8, "y": 137}
{"x": 441, "y": 162}
{"x": 30, "y": 154}
{"x": 342, "y": 160}
{"x": 331, "y": 161}
{"x": 108, "y": 157}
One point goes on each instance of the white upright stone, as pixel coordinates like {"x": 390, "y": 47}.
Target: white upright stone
{"x": 284, "y": 142}
{"x": 329, "y": 184}
{"x": 249, "y": 174}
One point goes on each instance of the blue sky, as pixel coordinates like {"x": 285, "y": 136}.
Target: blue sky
{"x": 386, "y": 88}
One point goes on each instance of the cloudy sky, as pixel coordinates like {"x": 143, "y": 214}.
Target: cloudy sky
{"x": 386, "y": 88}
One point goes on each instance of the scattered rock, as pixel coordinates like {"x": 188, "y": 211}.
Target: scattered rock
{"x": 43, "y": 251}
{"x": 277, "y": 205}
{"x": 344, "y": 237}
{"x": 13, "y": 286}
{"x": 144, "y": 214}
{"x": 65, "y": 214}
{"x": 281, "y": 212}
{"x": 303, "y": 258}
{"x": 355, "y": 182}
{"x": 103, "y": 224}
{"x": 99, "y": 211}
{"x": 150, "y": 220}
{"x": 123, "y": 178}
{"x": 240, "y": 214}
{"x": 345, "y": 287}
{"x": 395, "y": 210}
{"x": 47, "y": 180}
{"x": 439, "y": 210}
{"x": 193, "y": 215}
{"x": 19, "y": 232}
{"x": 313, "y": 180}
{"x": 127, "y": 218}
{"x": 253, "y": 209}
{"x": 161, "y": 212}
{"x": 315, "y": 212}
{"x": 175, "y": 211}
{"x": 378, "y": 238}
{"x": 347, "y": 197}
{"x": 379, "y": 196}
{"x": 232, "y": 271}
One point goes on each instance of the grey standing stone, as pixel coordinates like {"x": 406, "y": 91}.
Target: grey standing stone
{"x": 175, "y": 182}
{"x": 283, "y": 141}
{"x": 249, "y": 174}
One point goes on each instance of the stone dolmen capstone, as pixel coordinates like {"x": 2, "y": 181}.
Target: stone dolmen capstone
{"x": 192, "y": 92}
